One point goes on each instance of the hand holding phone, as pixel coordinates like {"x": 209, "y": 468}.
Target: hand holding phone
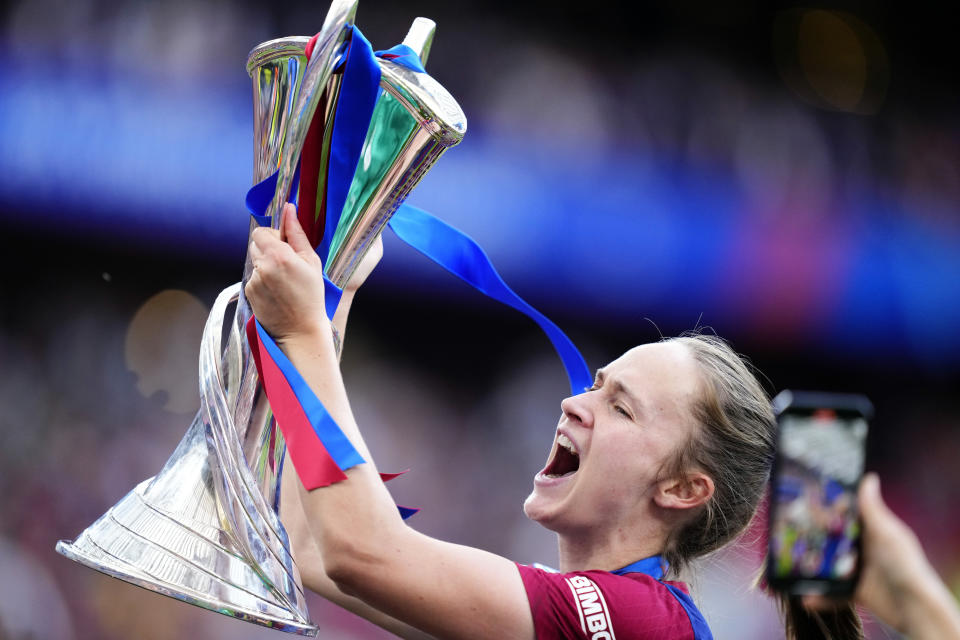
{"x": 814, "y": 525}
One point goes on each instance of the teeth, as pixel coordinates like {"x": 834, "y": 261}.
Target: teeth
{"x": 566, "y": 443}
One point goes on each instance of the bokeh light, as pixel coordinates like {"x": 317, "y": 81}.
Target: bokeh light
{"x": 832, "y": 59}
{"x": 161, "y": 348}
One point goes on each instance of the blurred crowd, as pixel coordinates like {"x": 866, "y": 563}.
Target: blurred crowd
{"x": 86, "y": 418}
{"x": 99, "y": 335}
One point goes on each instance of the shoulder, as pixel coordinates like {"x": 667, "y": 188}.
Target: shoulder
{"x": 598, "y": 605}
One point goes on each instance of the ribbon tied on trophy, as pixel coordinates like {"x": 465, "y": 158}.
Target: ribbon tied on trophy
{"x": 322, "y": 453}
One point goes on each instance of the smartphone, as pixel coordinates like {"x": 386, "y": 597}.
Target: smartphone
{"x": 814, "y": 524}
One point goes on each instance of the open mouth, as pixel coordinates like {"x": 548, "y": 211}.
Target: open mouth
{"x": 565, "y": 460}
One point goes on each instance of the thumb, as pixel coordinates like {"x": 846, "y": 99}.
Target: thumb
{"x": 293, "y": 232}
{"x": 870, "y": 501}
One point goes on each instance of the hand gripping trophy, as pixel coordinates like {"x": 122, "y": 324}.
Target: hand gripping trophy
{"x": 205, "y": 529}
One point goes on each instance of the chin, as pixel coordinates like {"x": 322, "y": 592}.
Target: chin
{"x": 539, "y": 509}
{"x": 530, "y": 507}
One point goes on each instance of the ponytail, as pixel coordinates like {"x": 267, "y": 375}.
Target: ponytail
{"x": 800, "y": 623}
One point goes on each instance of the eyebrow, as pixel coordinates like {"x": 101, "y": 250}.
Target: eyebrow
{"x": 619, "y": 388}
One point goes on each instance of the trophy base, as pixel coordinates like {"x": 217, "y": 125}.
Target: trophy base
{"x": 119, "y": 545}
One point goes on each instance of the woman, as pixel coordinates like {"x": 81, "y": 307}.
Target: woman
{"x": 664, "y": 459}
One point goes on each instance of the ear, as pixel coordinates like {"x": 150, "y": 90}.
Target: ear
{"x": 686, "y": 492}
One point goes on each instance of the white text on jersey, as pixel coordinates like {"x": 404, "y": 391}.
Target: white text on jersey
{"x": 594, "y": 616}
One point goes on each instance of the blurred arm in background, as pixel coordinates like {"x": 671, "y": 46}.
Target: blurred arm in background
{"x": 898, "y": 584}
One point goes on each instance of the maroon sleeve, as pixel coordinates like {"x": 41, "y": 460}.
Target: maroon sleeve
{"x": 597, "y": 605}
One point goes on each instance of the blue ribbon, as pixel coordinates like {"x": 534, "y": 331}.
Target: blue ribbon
{"x": 406, "y": 512}
{"x": 403, "y": 55}
{"x": 334, "y": 440}
{"x": 462, "y": 256}
{"x": 261, "y": 195}
{"x": 359, "y": 87}
{"x": 448, "y": 247}
{"x": 258, "y": 200}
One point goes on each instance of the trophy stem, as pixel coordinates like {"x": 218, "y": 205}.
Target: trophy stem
{"x": 201, "y": 531}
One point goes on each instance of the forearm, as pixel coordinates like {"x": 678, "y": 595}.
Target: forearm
{"x": 349, "y": 520}
{"x": 310, "y": 563}
{"x": 930, "y": 611}
{"x": 362, "y": 544}
{"x": 339, "y": 320}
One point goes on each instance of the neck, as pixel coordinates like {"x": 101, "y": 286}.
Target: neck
{"x": 607, "y": 553}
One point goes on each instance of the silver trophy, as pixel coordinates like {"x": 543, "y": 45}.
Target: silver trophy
{"x": 205, "y": 529}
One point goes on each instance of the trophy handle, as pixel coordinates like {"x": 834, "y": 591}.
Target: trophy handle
{"x": 414, "y": 122}
{"x": 420, "y": 37}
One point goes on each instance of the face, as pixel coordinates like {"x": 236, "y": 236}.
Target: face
{"x": 614, "y": 439}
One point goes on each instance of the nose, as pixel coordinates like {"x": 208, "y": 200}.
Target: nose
{"x": 577, "y": 409}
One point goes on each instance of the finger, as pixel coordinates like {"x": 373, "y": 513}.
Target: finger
{"x": 256, "y": 255}
{"x": 255, "y": 251}
{"x": 869, "y": 499}
{"x": 869, "y": 486}
{"x": 250, "y": 289}
{"x": 295, "y": 235}
{"x": 263, "y": 237}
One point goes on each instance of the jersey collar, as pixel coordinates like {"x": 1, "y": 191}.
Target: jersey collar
{"x": 654, "y": 566}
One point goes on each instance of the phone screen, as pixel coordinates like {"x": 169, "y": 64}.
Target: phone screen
{"x": 814, "y": 524}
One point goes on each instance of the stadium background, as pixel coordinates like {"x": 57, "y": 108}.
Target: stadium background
{"x": 783, "y": 173}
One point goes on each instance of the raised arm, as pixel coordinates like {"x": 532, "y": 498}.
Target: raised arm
{"x": 367, "y": 551}
{"x": 304, "y": 547}
{"x": 898, "y": 583}
{"x": 359, "y": 276}
{"x": 310, "y": 562}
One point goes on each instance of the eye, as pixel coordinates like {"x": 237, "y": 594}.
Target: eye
{"x": 622, "y": 411}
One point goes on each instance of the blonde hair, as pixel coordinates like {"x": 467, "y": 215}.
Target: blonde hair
{"x": 734, "y": 445}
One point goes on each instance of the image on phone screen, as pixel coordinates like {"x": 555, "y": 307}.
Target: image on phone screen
{"x": 814, "y": 528}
